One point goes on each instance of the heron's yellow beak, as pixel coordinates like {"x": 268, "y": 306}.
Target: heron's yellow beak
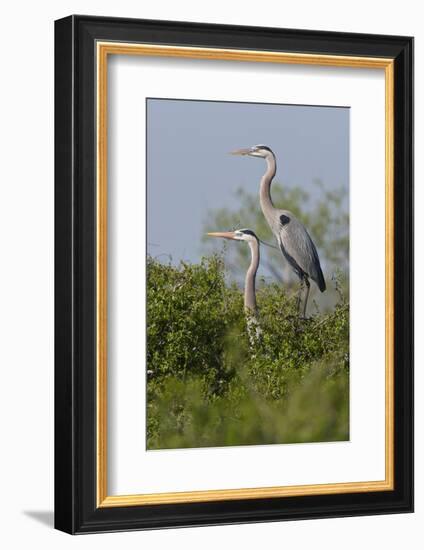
{"x": 223, "y": 235}
{"x": 240, "y": 151}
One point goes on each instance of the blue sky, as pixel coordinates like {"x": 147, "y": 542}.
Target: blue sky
{"x": 189, "y": 170}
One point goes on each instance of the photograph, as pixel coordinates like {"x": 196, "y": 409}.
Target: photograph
{"x": 210, "y": 293}
{"x": 247, "y": 273}
{"x": 233, "y": 274}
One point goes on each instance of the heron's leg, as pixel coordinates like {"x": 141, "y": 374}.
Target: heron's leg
{"x": 299, "y": 295}
{"x": 308, "y": 288}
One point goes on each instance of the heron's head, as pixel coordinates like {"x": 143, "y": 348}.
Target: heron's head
{"x": 261, "y": 151}
{"x": 238, "y": 235}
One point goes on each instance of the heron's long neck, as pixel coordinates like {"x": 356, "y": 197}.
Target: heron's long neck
{"x": 249, "y": 288}
{"x": 265, "y": 188}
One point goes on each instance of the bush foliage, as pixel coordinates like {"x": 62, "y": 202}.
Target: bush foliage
{"x": 207, "y": 385}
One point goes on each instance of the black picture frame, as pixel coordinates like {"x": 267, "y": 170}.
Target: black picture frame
{"x": 76, "y": 510}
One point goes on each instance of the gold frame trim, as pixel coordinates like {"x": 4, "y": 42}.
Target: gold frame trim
{"x": 119, "y": 48}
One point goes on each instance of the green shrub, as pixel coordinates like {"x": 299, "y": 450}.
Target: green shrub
{"x": 207, "y": 385}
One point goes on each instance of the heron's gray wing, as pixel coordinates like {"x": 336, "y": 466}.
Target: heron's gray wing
{"x": 298, "y": 248}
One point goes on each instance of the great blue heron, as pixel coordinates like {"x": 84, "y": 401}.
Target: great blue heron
{"x": 250, "y": 306}
{"x": 293, "y": 239}
{"x": 249, "y": 285}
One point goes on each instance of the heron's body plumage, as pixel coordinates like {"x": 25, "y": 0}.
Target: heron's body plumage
{"x": 298, "y": 248}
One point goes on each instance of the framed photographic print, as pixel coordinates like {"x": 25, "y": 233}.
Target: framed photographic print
{"x": 234, "y": 274}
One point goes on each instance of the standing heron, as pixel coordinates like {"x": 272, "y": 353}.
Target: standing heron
{"x": 291, "y": 235}
{"x": 250, "y": 306}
